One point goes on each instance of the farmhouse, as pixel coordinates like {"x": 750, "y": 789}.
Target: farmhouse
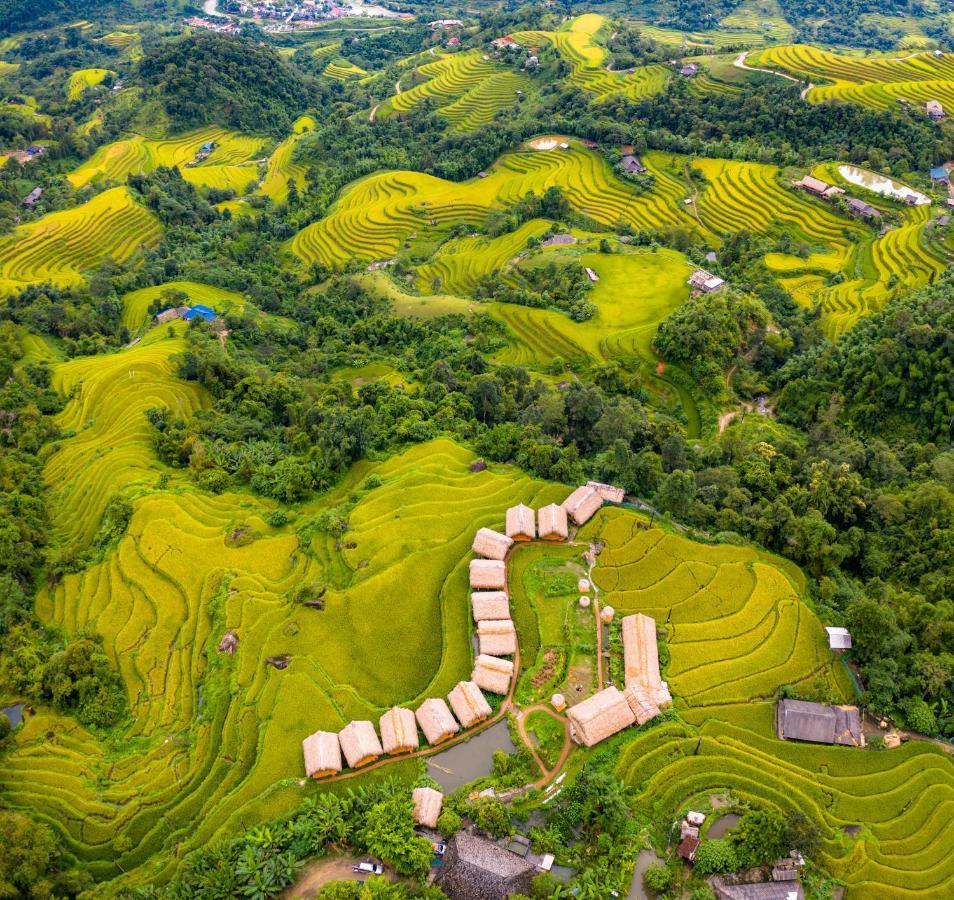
{"x": 201, "y": 311}
{"x": 839, "y": 638}
{"x": 705, "y": 282}
{"x": 582, "y": 504}
{"x": 833, "y": 191}
{"x": 632, "y": 164}
{"x": 641, "y": 658}
{"x": 601, "y": 716}
{"x": 399, "y": 731}
{"x": 497, "y": 637}
{"x": 559, "y": 240}
{"x": 488, "y": 575}
{"x": 799, "y": 720}
{"x": 492, "y": 674}
{"x": 551, "y": 523}
{"x": 609, "y": 493}
{"x": 860, "y": 208}
{"x": 687, "y": 848}
{"x": 322, "y": 754}
{"x": 427, "y": 806}
{"x": 934, "y": 110}
{"x": 689, "y": 70}
{"x": 505, "y": 43}
{"x": 469, "y": 704}
{"x": 474, "y": 868}
{"x": 359, "y": 743}
{"x": 166, "y": 315}
{"x": 33, "y": 197}
{"x": 520, "y": 523}
{"x": 813, "y": 185}
{"x": 436, "y": 720}
{"x": 489, "y": 605}
{"x": 491, "y": 544}
{"x": 725, "y": 889}
{"x": 940, "y": 175}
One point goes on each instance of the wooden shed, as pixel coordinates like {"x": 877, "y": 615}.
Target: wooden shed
{"x": 469, "y": 704}
{"x": 399, "y": 731}
{"x": 322, "y": 754}
{"x": 488, "y": 575}
{"x": 497, "y": 637}
{"x": 490, "y": 605}
{"x": 359, "y": 743}
{"x": 552, "y": 523}
{"x": 582, "y": 504}
{"x": 427, "y": 806}
{"x": 492, "y": 674}
{"x": 520, "y": 523}
{"x": 600, "y": 716}
{"x": 436, "y": 721}
{"x": 491, "y": 544}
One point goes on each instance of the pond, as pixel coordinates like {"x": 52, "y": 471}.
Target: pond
{"x": 645, "y": 859}
{"x": 472, "y": 759}
{"x": 723, "y": 825}
{"x": 880, "y": 184}
{"x": 14, "y": 714}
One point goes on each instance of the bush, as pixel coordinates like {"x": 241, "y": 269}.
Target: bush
{"x": 658, "y": 879}
{"x": 919, "y": 717}
{"x": 715, "y": 856}
{"x": 449, "y": 823}
{"x": 491, "y": 816}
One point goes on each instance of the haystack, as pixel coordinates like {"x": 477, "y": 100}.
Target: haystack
{"x": 584, "y": 601}
{"x": 640, "y": 703}
{"x": 520, "y": 523}
{"x": 497, "y": 637}
{"x": 359, "y": 743}
{"x": 552, "y": 524}
{"x": 436, "y": 721}
{"x": 581, "y": 505}
{"x": 322, "y": 754}
{"x": 491, "y": 544}
{"x": 488, "y": 575}
{"x": 559, "y": 702}
{"x": 492, "y": 674}
{"x": 600, "y": 716}
{"x": 641, "y": 657}
{"x": 399, "y": 731}
{"x": 607, "y": 492}
{"x": 490, "y": 605}
{"x": 469, "y": 704}
{"x": 427, "y": 806}
{"x": 607, "y": 613}
{"x": 583, "y": 585}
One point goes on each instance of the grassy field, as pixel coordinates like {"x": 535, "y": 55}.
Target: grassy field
{"x": 60, "y": 246}
{"x": 83, "y": 79}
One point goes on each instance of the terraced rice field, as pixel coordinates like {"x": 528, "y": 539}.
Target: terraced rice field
{"x": 342, "y": 70}
{"x": 8, "y": 68}
{"x": 136, "y": 303}
{"x": 83, "y": 79}
{"x": 121, "y": 40}
{"x": 140, "y": 155}
{"x": 373, "y": 217}
{"x": 61, "y": 246}
{"x": 281, "y": 169}
{"x": 902, "y": 798}
{"x": 875, "y": 82}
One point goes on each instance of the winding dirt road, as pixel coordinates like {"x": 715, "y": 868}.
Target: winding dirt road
{"x": 740, "y": 63}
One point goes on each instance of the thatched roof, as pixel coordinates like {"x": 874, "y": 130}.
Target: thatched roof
{"x": 600, "y": 716}
{"x": 488, "y": 575}
{"x": 491, "y": 544}
{"x": 608, "y": 492}
{"x": 799, "y": 720}
{"x": 520, "y": 523}
{"x": 475, "y": 868}
{"x": 436, "y": 721}
{"x": 490, "y": 605}
{"x": 607, "y": 613}
{"x": 322, "y": 754}
{"x": 559, "y": 702}
{"x": 399, "y": 730}
{"x": 229, "y": 642}
{"x": 552, "y": 523}
{"x": 497, "y": 637}
{"x": 469, "y": 704}
{"x": 582, "y": 504}
{"x": 359, "y": 743}
{"x": 492, "y": 674}
{"x": 427, "y": 806}
{"x": 641, "y": 703}
{"x": 641, "y": 657}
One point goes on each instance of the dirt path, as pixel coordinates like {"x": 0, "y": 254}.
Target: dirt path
{"x": 740, "y": 63}
{"x": 374, "y": 112}
{"x": 725, "y": 419}
{"x": 599, "y": 643}
{"x": 397, "y": 86}
{"x": 548, "y": 774}
{"x": 318, "y": 874}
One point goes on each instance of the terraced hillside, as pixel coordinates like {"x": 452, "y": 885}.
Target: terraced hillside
{"x": 281, "y": 169}
{"x": 136, "y": 303}
{"x": 83, "y": 79}
{"x": 61, "y": 246}
{"x": 341, "y": 70}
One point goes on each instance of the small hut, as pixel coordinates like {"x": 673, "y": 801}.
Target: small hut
{"x": 497, "y": 637}
{"x": 427, "y": 806}
{"x": 490, "y": 605}
{"x": 399, "y": 731}
{"x": 322, "y": 754}
{"x": 839, "y": 638}
{"x": 641, "y": 703}
{"x": 436, "y": 721}
{"x": 359, "y": 743}
{"x": 607, "y": 613}
{"x": 492, "y": 674}
{"x": 229, "y": 642}
{"x": 600, "y": 716}
{"x": 608, "y": 492}
{"x": 488, "y": 575}
{"x": 520, "y": 523}
{"x": 469, "y": 704}
{"x": 559, "y": 702}
{"x": 582, "y": 504}
{"x": 552, "y": 524}
{"x": 475, "y": 868}
{"x": 491, "y": 544}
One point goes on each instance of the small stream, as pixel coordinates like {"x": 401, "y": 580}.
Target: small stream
{"x": 472, "y": 759}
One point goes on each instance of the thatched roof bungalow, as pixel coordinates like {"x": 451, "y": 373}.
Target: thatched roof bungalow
{"x": 640, "y": 703}
{"x": 520, "y": 523}
{"x": 641, "y": 657}
{"x": 475, "y": 868}
{"x": 399, "y": 731}
{"x": 469, "y": 704}
{"x": 497, "y": 637}
{"x": 491, "y": 544}
{"x": 552, "y": 524}
{"x": 488, "y": 575}
{"x": 582, "y": 504}
{"x": 436, "y": 721}
{"x": 492, "y": 674}
{"x": 427, "y": 806}
{"x": 490, "y": 605}
{"x": 322, "y": 754}
{"x": 359, "y": 743}
{"x": 608, "y": 492}
{"x": 600, "y": 716}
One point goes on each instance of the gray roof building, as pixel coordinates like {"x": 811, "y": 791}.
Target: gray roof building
{"x": 764, "y": 890}
{"x": 474, "y": 868}
{"x": 799, "y": 720}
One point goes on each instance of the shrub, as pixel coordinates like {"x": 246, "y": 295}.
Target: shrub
{"x": 448, "y": 823}
{"x": 715, "y": 856}
{"x": 658, "y": 879}
{"x": 490, "y": 815}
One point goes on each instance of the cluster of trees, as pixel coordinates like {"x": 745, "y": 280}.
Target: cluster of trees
{"x": 563, "y": 287}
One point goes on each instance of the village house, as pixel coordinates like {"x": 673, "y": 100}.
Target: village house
{"x": 492, "y": 674}
{"x": 505, "y": 43}
{"x": 934, "y": 110}
{"x": 491, "y": 544}
{"x": 558, "y": 240}
{"x": 800, "y": 720}
{"x": 359, "y": 743}
{"x": 591, "y": 274}
{"x": 552, "y": 523}
{"x": 427, "y": 806}
{"x": 322, "y": 754}
{"x": 520, "y": 523}
{"x": 632, "y": 165}
{"x": 705, "y": 282}
{"x": 474, "y": 868}
{"x": 600, "y": 716}
{"x": 609, "y": 492}
{"x": 436, "y": 721}
{"x": 641, "y": 658}
{"x": 497, "y": 637}
{"x": 582, "y": 504}
{"x": 860, "y": 208}
{"x": 813, "y": 185}
{"x": 490, "y": 605}
{"x": 940, "y": 175}
{"x": 488, "y": 575}
{"x": 33, "y": 197}
{"x": 689, "y": 70}
{"x": 839, "y": 638}
{"x": 726, "y": 889}
{"x": 687, "y": 848}
{"x": 399, "y": 731}
{"x": 470, "y": 706}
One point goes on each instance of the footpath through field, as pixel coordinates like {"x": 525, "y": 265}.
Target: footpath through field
{"x": 740, "y": 63}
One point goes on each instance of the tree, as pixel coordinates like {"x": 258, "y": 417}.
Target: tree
{"x": 388, "y": 833}
{"x": 658, "y": 879}
{"x": 759, "y": 837}
{"x": 676, "y": 493}
{"x": 715, "y": 856}
{"x": 490, "y": 815}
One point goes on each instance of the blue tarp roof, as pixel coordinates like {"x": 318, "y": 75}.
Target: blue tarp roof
{"x": 939, "y": 172}
{"x": 206, "y": 312}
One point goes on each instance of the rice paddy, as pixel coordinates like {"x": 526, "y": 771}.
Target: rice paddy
{"x": 280, "y": 169}
{"x": 341, "y": 70}
{"x": 83, "y": 79}
{"x": 61, "y": 246}
{"x": 136, "y": 303}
